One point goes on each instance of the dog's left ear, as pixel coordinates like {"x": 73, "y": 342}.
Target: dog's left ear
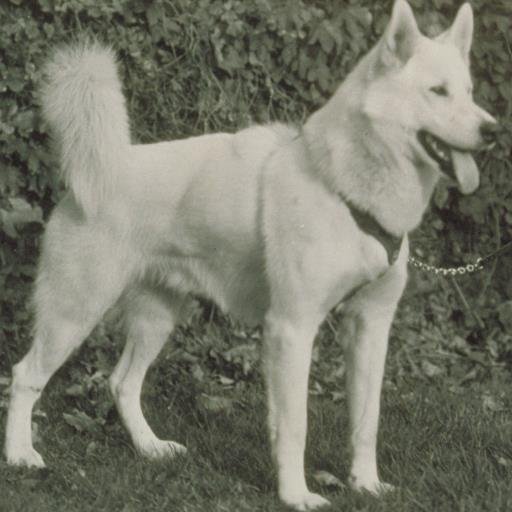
{"x": 401, "y": 34}
{"x": 460, "y": 34}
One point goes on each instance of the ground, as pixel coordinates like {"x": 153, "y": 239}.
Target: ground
{"x": 444, "y": 452}
{"x": 445, "y": 439}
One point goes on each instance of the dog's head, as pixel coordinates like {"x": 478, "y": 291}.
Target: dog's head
{"x": 423, "y": 87}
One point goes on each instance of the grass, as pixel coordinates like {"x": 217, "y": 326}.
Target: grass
{"x": 444, "y": 451}
{"x": 445, "y": 436}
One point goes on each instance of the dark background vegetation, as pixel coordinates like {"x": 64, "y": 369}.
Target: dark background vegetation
{"x": 196, "y": 66}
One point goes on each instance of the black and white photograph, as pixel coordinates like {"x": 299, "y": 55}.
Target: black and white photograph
{"x": 255, "y": 255}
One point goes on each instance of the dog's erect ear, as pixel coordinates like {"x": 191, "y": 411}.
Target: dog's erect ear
{"x": 401, "y": 33}
{"x": 460, "y": 33}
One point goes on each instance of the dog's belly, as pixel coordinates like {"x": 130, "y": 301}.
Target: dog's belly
{"x": 235, "y": 282}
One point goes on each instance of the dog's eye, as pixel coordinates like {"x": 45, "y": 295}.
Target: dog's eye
{"x": 440, "y": 90}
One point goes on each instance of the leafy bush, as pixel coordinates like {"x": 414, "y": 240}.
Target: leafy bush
{"x": 196, "y": 66}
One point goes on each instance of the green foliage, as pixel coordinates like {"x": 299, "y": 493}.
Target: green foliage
{"x": 191, "y": 67}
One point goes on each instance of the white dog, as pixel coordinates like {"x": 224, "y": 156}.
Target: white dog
{"x": 276, "y": 225}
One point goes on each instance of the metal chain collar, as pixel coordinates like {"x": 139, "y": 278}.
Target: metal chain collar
{"x": 470, "y": 268}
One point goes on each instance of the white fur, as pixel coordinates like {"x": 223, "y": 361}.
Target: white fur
{"x": 251, "y": 220}
{"x": 84, "y": 105}
{"x": 460, "y": 34}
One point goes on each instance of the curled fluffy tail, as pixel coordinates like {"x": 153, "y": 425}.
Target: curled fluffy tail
{"x": 84, "y": 106}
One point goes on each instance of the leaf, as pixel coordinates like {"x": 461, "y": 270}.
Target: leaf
{"x": 22, "y": 213}
{"x": 430, "y": 369}
{"x": 244, "y": 355}
{"x": 75, "y": 390}
{"x": 216, "y": 404}
{"x": 492, "y": 404}
{"x": 197, "y": 372}
{"x": 6, "y": 128}
{"x": 92, "y": 447}
{"x": 460, "y": 344}
{"x": 15, "y": 84}
{"x": 226, "y": 381}
{"x": 316, "y": 388}
{"x": 39, "y": 413}
{"x": 337, "y": 396}
{"x": 25, "y": 120}
{"x": 326, "y": 479}
{"x": 502, "y": 461}
{"x": 325, "y": 40}
{"x": 441, "y": 195}
{"x": 81, "y": 422}
{"x": 36, "y": 438}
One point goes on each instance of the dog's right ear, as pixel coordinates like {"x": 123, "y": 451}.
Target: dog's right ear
{"x": 460, "y": 34}
{"x": 401, "y": 34}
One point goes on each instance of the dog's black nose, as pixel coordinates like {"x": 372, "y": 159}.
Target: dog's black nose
{"x": 489, "y": 131}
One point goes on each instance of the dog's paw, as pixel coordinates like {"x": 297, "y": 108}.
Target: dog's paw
{"x": 29, "y": 458}
{"x": 160, "y": 449}
{"x": 305, "y": 502}
{"x": 375, "y": 487}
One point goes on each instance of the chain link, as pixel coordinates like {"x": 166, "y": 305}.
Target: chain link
{"x": 470, "y": 268}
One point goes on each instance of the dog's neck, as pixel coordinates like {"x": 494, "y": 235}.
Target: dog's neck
{"x": 352, "y": 158}
{"x": 372, "y": 227}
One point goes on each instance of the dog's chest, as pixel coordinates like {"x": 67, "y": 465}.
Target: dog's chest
{"x": 359, "y": 259}
{"x": 315, "y": 249}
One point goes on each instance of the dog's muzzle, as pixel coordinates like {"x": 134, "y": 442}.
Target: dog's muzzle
{"x": 438, "y": 150}
{"x": 454, "y": 162}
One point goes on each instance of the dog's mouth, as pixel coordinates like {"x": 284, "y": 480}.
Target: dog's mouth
{"x": 438, "y": 151}
{"x": 455, "y": 163}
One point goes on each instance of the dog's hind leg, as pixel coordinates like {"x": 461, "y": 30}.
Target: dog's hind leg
{"x": 59, "y": 330}
{"x": 55, "y": 339}
{"x": 368, "y": 321}
{"x": 150, "y": 316}
{"x": 80, "y": 277}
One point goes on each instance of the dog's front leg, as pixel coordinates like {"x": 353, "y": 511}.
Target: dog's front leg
{"x": 365, "y": 357}
{"x": 368, "y": 320}
{"x": 286, "y": 362}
